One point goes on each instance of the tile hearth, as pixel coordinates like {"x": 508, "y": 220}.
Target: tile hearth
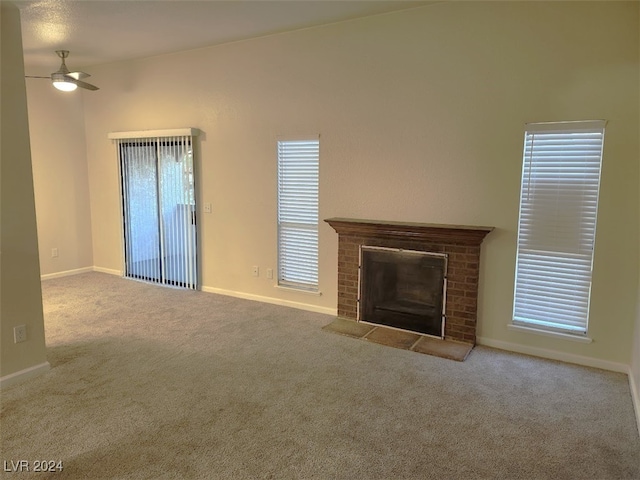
{"x": 390, "y": 337}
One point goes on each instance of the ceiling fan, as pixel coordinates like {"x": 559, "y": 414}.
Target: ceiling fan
{"x": 65, "y": 80}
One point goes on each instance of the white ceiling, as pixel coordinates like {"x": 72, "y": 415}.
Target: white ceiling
{"x": 104, "y": 31}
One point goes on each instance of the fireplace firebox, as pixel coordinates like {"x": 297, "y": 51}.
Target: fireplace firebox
{"x": 403, "y": 289}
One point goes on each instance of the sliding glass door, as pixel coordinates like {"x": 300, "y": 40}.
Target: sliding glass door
{"x": 159, "y": 210}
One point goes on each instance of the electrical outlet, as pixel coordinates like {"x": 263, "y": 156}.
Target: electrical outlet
{"x": 20, "y": 334}
{"x": 207, "y": 208}
{"x": 270, "y": 273}
{"x": 256, "y": 271}
{"x": 54, "y": 253}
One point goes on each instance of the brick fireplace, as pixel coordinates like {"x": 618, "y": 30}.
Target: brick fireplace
{"x": 461, "y": 244}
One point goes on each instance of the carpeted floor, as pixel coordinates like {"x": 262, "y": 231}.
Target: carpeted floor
{"x": 152, "y": 382}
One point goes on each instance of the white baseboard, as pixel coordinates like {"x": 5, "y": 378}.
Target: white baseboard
{"x": 221, "y": 291}
{"x": 107, "y": 270}
{"x": 274, "y": 301}
{"x": 77, "y": 271}
{"x": 66, "y": 273}
{"x": 25, "y": 374}
{"x": 635, "y": 396}
{"x": 554, "y": 355}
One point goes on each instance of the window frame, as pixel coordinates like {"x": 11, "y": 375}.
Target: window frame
{"x": 298, "y": 227}
{"x": 551, "y": 243}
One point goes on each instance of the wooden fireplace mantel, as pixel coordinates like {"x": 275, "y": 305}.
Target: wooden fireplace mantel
{"x": 459, "y": 234}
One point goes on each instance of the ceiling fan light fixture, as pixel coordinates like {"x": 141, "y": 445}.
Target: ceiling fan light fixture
{"x": 65, "y": 85}
{"x": 65, "y": 80}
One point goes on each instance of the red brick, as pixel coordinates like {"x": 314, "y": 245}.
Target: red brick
{"x": 462, "y": 277}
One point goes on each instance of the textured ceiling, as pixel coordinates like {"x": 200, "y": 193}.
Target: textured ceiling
{"x": 97, "y": 32}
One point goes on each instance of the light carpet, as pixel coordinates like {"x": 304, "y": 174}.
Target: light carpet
{"x": 153, "y": 382}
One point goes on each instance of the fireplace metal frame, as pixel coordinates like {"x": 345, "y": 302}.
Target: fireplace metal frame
{"x": 444, "y": 256}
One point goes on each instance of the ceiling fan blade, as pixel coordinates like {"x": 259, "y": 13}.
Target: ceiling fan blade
{"x": 78, "y": 75}
{"x": 35, "y": 76}
{"x": 86, "y": 85}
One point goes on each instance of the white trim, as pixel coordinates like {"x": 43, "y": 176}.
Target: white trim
{"x": 107, "y": 270}
{"x": 316, "y": 293}
{"x": 554, "y": 355}
{"x": 25, "y": 374}
{"x": 271, "y": 300}
{"x": 543, "y": 286}
{"x": 77, "y": 271}
{"x": 66, "y": 273}
{"x": 297, "y": 213}
{"x": 577, "y": 125}
{"x": 635, "y": 396}
{"x": 175, "y": 132}
{"x": 550, "y": 333}
{"x": 230, "y": 293}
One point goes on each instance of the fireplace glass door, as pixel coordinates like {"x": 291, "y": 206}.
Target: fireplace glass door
{"x": 404, "y": 289}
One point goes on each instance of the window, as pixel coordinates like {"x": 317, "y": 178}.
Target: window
{"x": 556, "y": 231}
{"x": 298, "y": 165}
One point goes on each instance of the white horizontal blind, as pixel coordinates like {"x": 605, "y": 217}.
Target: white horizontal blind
{"x": 556, "y": 232}
{"x": 298, "y": 168}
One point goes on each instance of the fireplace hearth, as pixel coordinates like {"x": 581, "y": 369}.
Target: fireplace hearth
{"x": 406, "y": 305}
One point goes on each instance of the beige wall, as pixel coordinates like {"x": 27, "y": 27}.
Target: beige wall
{"x": 634, "y": 371}
{"x": 56, "y": 122}
{"x": 20, "y": 273}
{"x": 420, "y": 115}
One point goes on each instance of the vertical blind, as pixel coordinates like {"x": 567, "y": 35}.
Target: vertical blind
{"x": 556, "y": 232}
{"x": 298, "y": 167}
{"x": 159, "y": 210}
